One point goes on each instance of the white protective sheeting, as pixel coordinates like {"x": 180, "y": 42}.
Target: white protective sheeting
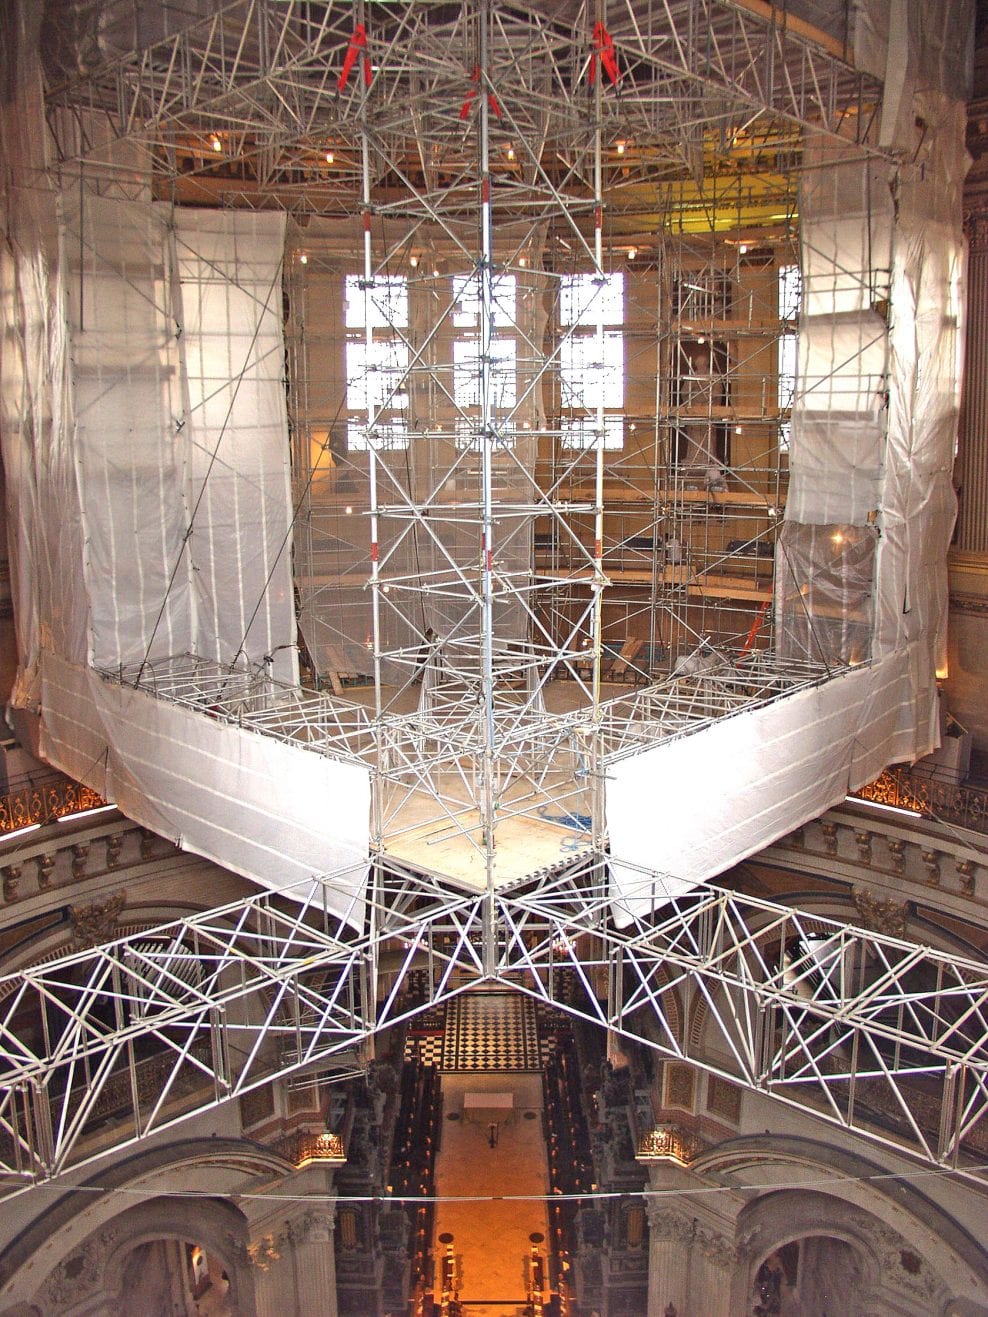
{"x": 838, "y": 418}
{"x": 926, "y": 340}
{"x": 239, "y": 494}
{"x": 862, "y": 558}
{"x": 282, "y": 815}
{"x": 129, "y": 441}
{"x": 692, "y": 807}
{"x": 46, "y": 571}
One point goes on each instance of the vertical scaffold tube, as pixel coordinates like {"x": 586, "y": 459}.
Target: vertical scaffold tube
{"x": 377, "y": 825}
{"x": 598, "y": 303}
{"x": 487, "y": 419}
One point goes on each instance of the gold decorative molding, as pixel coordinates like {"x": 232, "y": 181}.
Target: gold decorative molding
{"x": 97, "y": 922}
{"x": 670, "y": 1143}
{"x": 881, "y": 915}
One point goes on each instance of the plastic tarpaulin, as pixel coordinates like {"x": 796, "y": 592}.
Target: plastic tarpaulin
{"x": 861, "y": 573}
{"x": 229, "y": 280}
{"x": 106, "y": 415}
{"x": 129, "y": 444}
{"x": 690, "y": 808}
{"x": 41, "y": 487}
{"x": 279, "y": 814}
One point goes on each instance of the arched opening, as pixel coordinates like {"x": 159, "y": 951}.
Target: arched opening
{"x": 816, "y": 1276}
{"x": 174, "y": 1276}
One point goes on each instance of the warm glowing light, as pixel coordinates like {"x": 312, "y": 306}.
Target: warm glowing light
{"x": 523, "y": 261}
{"x": 216, "y": 144}
{"x": 739, "y": 429}
{"x": 413, "y": 262}
{"x": 348, "y": 510}
{"x": 670, "y": 1143}
{"x": 303, "y": 259}
{"x": 325, "y": 1147}
{"x": 632, "y": 253}
{"x": 330, "y": 157}
{"x": 511, "y": 153}
{"x": 620, "y": 148}
{"x": 888, "y": 809}
{"x": 84, "y": 813}
{"x": 20, "y": 832}
{"x": 837, "y": 537}
{"x": 743, "y": 249}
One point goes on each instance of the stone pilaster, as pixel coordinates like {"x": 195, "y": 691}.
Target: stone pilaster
{"x": 670, "y": 1235}
{"x": 712, "y": 1263}
{"x": 295, "y": 1267}
{"x": 311, "y": 1239}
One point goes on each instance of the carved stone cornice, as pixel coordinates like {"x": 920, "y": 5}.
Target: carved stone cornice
{"x": 717, "y": 1250}
{"x": 976, "y": 228}
{"x": 669, "y": 1225}
{"x": 974, "y": 604}
{"x": 310, "y": 1228}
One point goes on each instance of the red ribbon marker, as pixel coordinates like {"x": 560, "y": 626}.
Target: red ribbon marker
{"x": 471, "y": 96}
{"x": 358, "y": 43}
{"x": 603, "y": 48}
{"x": 754, "y": 629}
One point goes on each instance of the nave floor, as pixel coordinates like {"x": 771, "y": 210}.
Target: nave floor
{"x": 492, "y": 1150}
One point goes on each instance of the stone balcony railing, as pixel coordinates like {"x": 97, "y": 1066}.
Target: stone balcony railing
{"x": 671, "y": 1142}
{"x": 53, "y": 860}
{"x": 961, "y": 804}
{"x": 43, "y": 800}
{"x": 305, "y": 1148}
{"x": 892, "y": 864}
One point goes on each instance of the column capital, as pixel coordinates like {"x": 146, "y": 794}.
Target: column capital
{"x": 666, "y": 1222}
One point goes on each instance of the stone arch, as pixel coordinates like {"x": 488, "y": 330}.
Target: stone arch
{"x": 219, "y": 1226}
{"x": 924, "y": 1254}
{"x": 94, "y": 1274}
{"x": 86, "y": 1223}
{"x": 784, "y": 1217}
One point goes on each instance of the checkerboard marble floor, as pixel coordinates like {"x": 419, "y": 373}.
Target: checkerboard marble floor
{"x": 490, "y": 1031}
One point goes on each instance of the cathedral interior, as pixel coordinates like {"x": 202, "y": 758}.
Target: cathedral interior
{"x": 494, "y": 780}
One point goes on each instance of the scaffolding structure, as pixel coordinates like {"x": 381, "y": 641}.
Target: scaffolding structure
{"x": 535, "y": 336}
{"x": 867, "y": 1032}
{"x": 540, "y": 324}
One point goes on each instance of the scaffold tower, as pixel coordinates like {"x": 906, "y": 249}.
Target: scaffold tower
{"x": 568, "y": 300}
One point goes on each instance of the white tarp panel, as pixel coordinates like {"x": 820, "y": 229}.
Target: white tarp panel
{"x": 282, "y": 815}
{"x": 46, "y": 571}
{"x": 838, "y": 420}
{"x": 926, "y": 342}
{"x": 229, "y": 270}
{"x": 129, "y": 445}
{"x": 862, "y": 557}
{"x": 692, "y": 807}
